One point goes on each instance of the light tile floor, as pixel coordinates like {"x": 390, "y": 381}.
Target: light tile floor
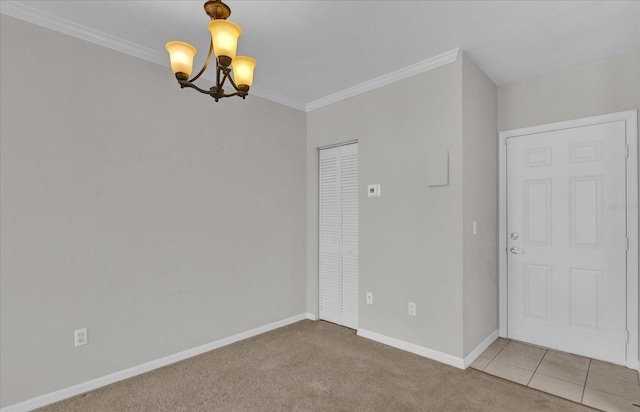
{"x": 591, "y": 382}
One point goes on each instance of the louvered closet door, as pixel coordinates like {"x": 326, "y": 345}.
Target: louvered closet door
{"x": 339, "y": 235}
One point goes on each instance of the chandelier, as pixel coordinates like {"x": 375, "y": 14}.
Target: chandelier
{"x": 224, "y": 41}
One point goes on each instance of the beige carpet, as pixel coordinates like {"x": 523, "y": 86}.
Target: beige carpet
{"x": 313, "y": 366}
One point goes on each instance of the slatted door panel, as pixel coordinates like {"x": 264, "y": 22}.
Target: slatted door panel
{"x": 349, "y": 235}
{"x": 329, "y": 237}
{"x": 339, "y": 235}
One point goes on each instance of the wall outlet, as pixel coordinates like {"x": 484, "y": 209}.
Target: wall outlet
{"x": 373, "y": 191}
{"x": 412, "y": 308}
{"x": 369, "y": 298}
{"x": 81, "y": 337}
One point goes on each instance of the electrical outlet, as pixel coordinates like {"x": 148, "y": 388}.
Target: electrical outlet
{"x": 412, "y": 308}
{"x": 81, "y": 337}
{"x": 373, "y": 191}
{"x": 369, "y": 298}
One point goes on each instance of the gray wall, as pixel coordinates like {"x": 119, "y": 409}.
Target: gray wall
{"x": 415, "y": 240}
{"x": 411, "y": 236}
{"x": 154, "y": 216}
{"x": 480, "y": 189}
{"x": 605, "y": 86}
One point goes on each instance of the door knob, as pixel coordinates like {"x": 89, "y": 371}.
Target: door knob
{"x": 516, "y": 251}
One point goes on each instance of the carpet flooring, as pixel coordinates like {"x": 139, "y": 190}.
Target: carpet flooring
{"x": 312, "y": 366}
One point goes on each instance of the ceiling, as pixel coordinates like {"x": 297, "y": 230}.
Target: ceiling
{"x": 310, "y": 52}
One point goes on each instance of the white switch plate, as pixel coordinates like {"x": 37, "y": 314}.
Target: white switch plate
{"x": 369, "y": 298}
{"x": 81, "y": 337}
{"x": 475, "y": 227}
{"x": 373, "y": 191}
{"x": 412, "y": 308}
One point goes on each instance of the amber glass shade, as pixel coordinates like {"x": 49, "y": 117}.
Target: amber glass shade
{"x": 224, "y": 35}
{"x": 181, "y": 55}
{"x": 243, "y": 67}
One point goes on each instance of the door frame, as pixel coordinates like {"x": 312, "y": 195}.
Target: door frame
{"x": 631, "y": 121}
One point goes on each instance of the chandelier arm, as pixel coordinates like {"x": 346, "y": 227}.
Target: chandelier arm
{"x": 206, "y": 63}
{"x": 185, "y": 83}
{"x": 227, "y": 75}
{"x": 213, "y": 93}
{"x": 233, "y": 83}
{"x": 225, "y": 72}
{"x": 238, "y": 93}
{"x": 218, "y": 82}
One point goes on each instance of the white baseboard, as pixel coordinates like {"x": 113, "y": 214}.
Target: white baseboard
{"x": 413, "y": 348}
{"x": 311, "y": 316}
{"x": 468, "y": 360}
{"x": 57, "y": 396}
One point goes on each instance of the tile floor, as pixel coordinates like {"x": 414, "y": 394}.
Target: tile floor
{"x": 591, "y": 382}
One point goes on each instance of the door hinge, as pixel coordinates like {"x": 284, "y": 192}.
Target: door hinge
{"x": 626, "y": 151}
{"x": 627, "y": 247}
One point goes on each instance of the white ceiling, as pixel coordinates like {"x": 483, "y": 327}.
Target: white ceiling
{"x": 310, "y": 50}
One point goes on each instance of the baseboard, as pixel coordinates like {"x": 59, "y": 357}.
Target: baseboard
{"x": 413, "y": 348}
{"x": 311, "y": 316}
{"x": 468, "y": 360}
{"x": 59, "y": 395}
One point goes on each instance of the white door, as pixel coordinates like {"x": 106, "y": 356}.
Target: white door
{"x": 338, "y": 257}
{"x": 567, "y": 243}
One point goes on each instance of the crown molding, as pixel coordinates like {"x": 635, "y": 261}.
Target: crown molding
{"x": 420, "y": 67}
{"x": 278, "y": 98}
{"x": 23, "y": 11}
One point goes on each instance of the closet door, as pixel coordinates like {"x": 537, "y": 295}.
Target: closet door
{"x": 339, "y": 235}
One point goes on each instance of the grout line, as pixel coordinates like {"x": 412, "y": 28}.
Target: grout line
{"x": 584, "y": 388}
{"x": 560, "y": 379}
{"x": 548, "y": 393}
{"x": 493, "y": 358}
{"x": 541, "y": 359}
{"x": 542, "y": 391}
{"x": 623, "y": 398}
{"x": 537, "y": 366}
{"x": 622, "y": 380}
{"x": 498, "y": 353}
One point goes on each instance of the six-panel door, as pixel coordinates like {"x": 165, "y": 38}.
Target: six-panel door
{"x": 567, "y": 240}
